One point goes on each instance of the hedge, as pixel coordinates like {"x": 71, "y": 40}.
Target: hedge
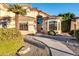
{"x": 10, "y": 41}
{"x": 65, "y": 26}
{"x": 77, "y": 34}
{"x": 52, "y": 32}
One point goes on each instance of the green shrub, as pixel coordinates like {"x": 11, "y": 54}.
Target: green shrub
{"x": 65, "y": 26}
{"x": 77, "y": 34}
{"x": 10, "y": 41}
{"x": 71, "y": 32}
{"x": 51, "y": 32}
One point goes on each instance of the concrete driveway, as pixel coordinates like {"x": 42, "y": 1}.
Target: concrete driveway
{"x": 57, "y": 48}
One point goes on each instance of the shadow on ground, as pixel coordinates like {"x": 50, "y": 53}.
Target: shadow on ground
{"x": 35, "y": 43}
{"x": 62, "y": 39}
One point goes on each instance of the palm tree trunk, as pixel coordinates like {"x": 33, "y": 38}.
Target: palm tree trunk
{"x": 16, "y": 21}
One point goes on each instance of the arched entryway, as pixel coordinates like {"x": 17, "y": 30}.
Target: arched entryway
{"x": 39, "y": 23}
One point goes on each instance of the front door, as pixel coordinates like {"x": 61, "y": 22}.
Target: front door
{"x": 39, "y": 23}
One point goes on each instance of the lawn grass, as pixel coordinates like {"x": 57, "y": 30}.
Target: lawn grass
{"x": 10, "y": 41}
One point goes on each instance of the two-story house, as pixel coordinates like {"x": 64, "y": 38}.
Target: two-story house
{"x": 32, "y": 22}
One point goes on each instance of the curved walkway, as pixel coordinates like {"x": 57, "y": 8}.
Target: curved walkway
{"x": 57, "y": 48}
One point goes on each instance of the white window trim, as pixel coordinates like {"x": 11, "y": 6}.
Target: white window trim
{"x": 58, "y": 21}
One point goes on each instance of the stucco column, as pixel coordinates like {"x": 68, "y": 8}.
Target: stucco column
{"x": 59, "y": 26}
{"x": 47, "y": 25}
{"x": 35, "y": 21}
{"x": 44, "y": 26}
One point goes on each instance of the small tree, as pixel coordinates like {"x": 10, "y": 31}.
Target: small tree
{"x": 18, "y": 10}
{"x": 67, "y": 17}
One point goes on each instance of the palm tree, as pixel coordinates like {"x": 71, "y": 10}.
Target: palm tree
{"x": 67, "y": 17}
{"x": 18, "y": 10}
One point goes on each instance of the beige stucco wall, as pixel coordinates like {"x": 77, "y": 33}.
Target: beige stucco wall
{"x": 34, "y": 13}
{"x": 11, "y": 14}
{"x": 4, "y": 12}
{"x": 31, "y": 28}
{"x": 77, "y": 27}
{"x": 12, "y": 24}
{"x": 77, "y": 24}
{"x": 2, "y": 7}
{"x": 44, "y": 15}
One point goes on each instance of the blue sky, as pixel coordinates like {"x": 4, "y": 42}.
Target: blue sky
{"x": 56, "y": 8}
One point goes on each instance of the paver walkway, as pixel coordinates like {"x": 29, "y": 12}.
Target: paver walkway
{"x": 57, "y": 48}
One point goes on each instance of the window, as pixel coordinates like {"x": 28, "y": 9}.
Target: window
{"x": 52, "y": 25}
{"x": 4, "y": 23}
{"x": 23, "y": 26}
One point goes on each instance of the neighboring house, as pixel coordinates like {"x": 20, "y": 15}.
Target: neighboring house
{"x": 34, "y": 21}
{"x": 75, "y": 23}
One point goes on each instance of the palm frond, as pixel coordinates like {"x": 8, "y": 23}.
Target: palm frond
{"x": 17, "y": 9}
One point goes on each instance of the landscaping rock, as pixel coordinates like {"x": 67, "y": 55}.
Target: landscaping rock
{"x": 24, "y": 50}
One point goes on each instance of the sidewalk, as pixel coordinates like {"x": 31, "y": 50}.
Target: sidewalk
{"x": 57, "y": 48}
